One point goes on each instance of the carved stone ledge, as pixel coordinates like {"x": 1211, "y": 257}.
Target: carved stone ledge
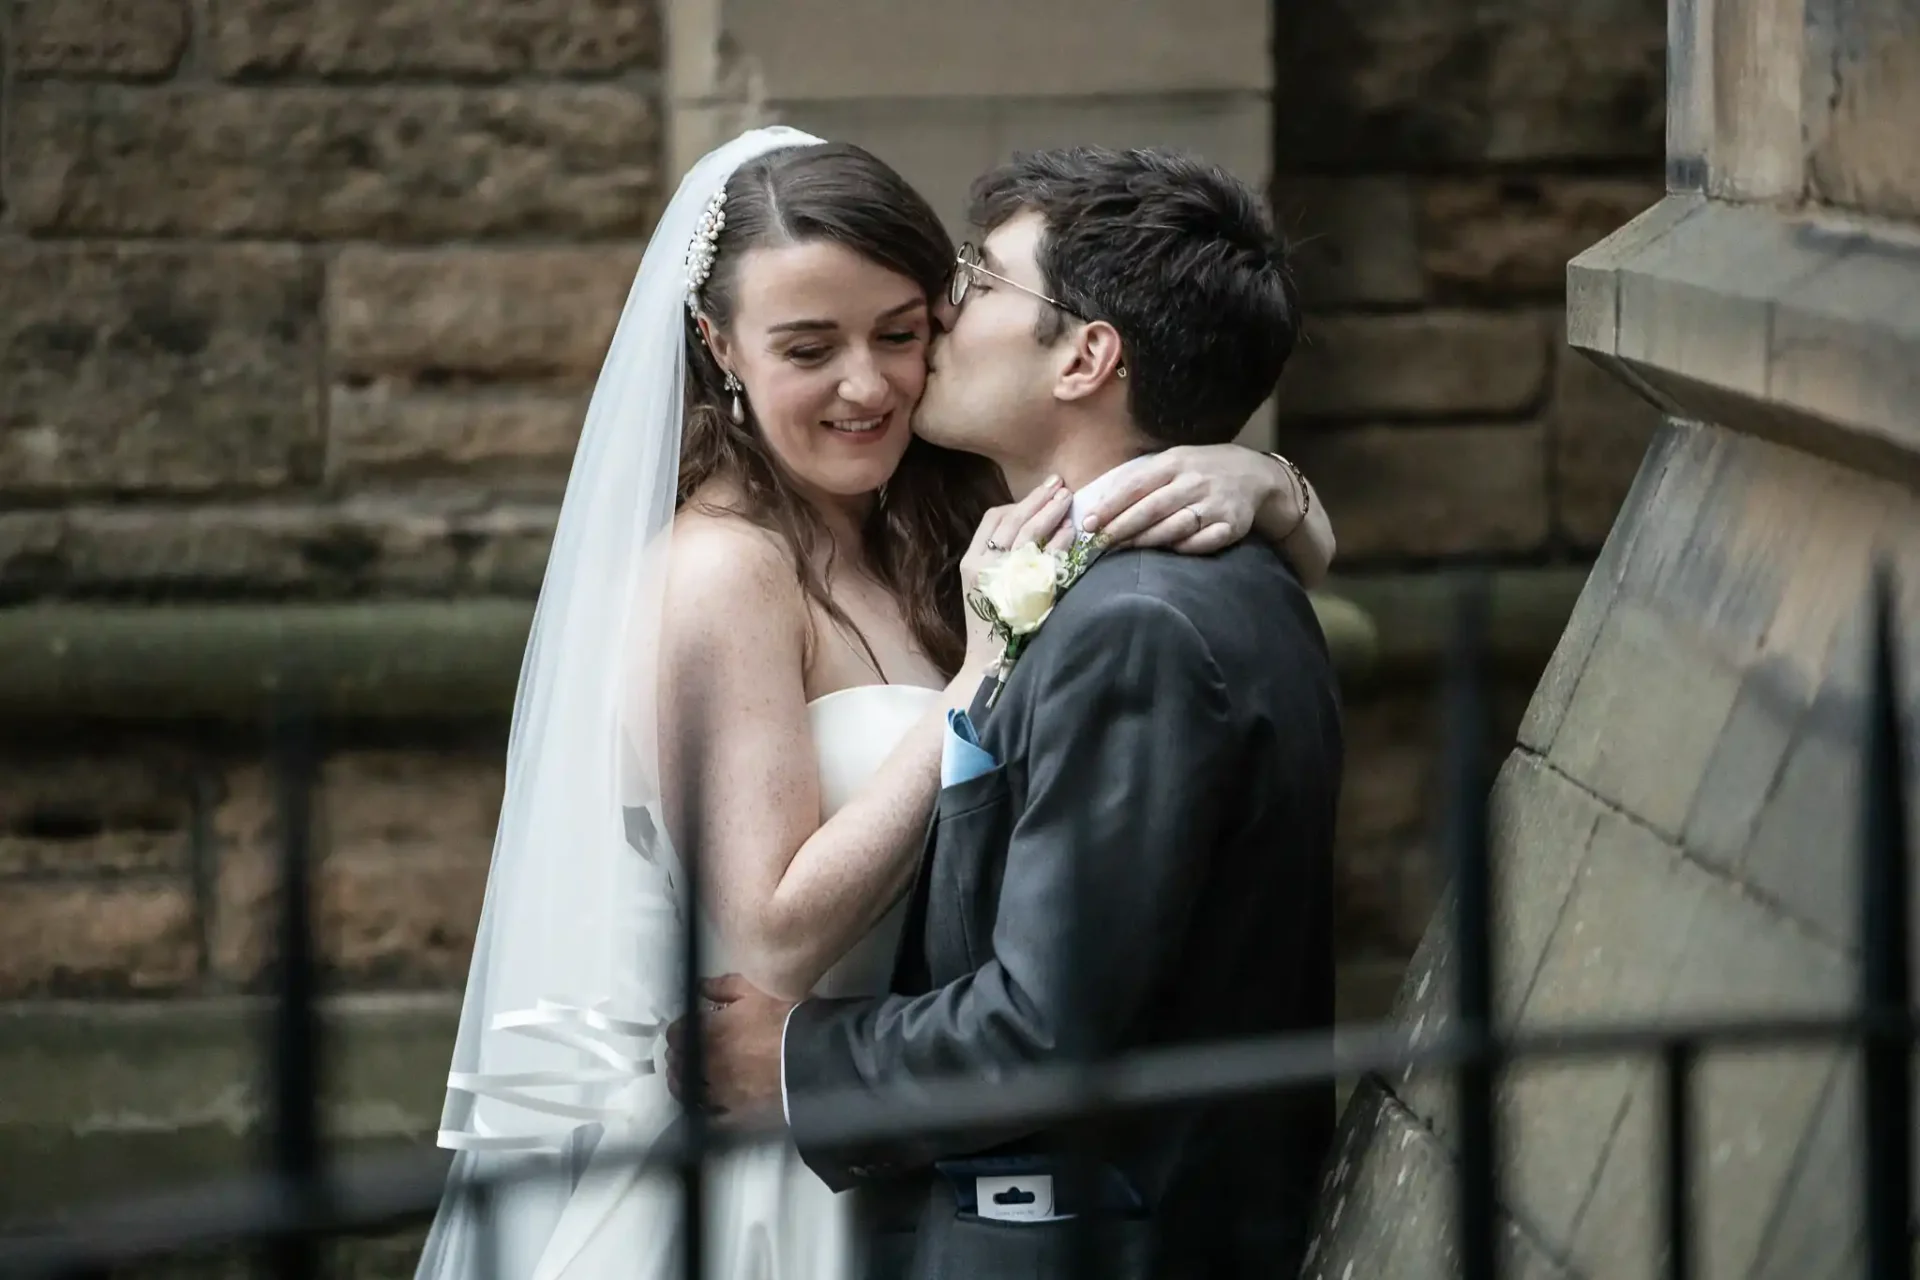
{"x": 1800, "y": 327}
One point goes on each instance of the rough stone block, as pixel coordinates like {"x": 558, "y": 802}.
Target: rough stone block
{"x": 1744, "y": 766}
{"x": 252, "y": 39}
{"x": 1754, "y": 67}
{"x": 406, "y": 840}
{"x": 1645, "y": 717}
{"x": 521, "y": 440}
{"x": 1429, "y": 491}
{"x": 1843, "y": 342}
{"x": 941, "y": 145}
{"x": 1755, "y": 1107}
{"x": 1564, "y": 668}
{"x": 63, "y": 939}
{"x": 1593, "y": 278}
{"x": 888, "y": 50}
{"x": 1551, "y": 696}
{"x": 506, "y": 549}
{"x": 1751, "y": 1124}
{"x": 1385, "y": 872}
{"x": 1611, "y": 956}
{"x": 114, "y": 1099}
{"x": 70, "y": 813}
{"x": 1750, "y": 1118}
{"x": 128, "y": 367}
{"x": 413, "y": 546}
{"x": 1811, "y": 1229}
{"x": 398, "y": 164}
{"x": 1618, "y": 1228}
{"x": 1601, "y": 432}
{"x": 1391, "y": 743}
{"x": 476, "y": 315}
{"x": 1762, "y": 548}
{"x": 1389, "y": 1169}
{"x": 1687, "y": 299}
{"x": 254, "y": 549}
{"x": 1357, "y": 240}
{"x": 1515, "y": 235}
{"x": 1379, "y": 82}
{"x": 1858, "y": 157}
{"x": 1427, "y": 363}
{"x": 1804, "y": 852}
{"x": 121, "y": 39}
{"x": 1541, "y": 828}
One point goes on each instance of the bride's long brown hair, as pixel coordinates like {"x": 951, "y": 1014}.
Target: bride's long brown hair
{"x": 929, "y": 508}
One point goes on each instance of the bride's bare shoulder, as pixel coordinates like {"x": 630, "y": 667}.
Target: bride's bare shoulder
{"x": 724, "y": 571}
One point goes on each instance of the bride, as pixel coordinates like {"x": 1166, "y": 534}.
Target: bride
{"x": 777, "y": 683}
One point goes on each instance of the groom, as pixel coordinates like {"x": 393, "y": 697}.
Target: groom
{"x": 1153, "y": 787}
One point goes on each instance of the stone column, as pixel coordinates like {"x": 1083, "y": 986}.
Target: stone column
{"x": 943, "y": 90}
{"x": 1676, "y": 832}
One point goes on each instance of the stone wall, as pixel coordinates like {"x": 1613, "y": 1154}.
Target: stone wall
{"x": 298, "y": 299}
{"x": 1439, "y": 165}
{"x": 303, "y": 296}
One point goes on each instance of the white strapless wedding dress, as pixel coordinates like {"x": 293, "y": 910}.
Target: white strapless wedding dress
{"x": 770, "y": 1218}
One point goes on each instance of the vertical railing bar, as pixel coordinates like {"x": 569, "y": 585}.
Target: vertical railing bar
{"x": 1678, "y": 1064}
{"x": 1467, "y": 731}
{"x": 1886, "y": 1055}
{"x": 296, "y": 1033}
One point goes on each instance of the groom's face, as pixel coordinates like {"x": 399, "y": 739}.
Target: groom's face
{"x": 989, "y": 379}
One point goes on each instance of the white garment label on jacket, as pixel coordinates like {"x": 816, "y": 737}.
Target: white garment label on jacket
{"x": 1026, "y": 1198}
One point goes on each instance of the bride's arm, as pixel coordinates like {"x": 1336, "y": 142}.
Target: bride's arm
{"x": 789, "y": 893}
{"x": 1232, "y": 490}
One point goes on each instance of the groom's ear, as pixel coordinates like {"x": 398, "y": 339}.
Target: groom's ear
{"x": 1096, "y": 359}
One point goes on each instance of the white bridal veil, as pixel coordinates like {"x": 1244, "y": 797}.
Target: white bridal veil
{"x": 576, "y": 963}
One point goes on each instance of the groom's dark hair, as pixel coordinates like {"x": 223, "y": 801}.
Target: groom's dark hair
{"x": 1180, "y": 257}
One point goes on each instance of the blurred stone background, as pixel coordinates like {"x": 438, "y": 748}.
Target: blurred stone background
{"x": 300, "y": 300}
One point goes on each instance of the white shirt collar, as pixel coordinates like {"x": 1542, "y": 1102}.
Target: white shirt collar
{"x": 1088, "y": 495}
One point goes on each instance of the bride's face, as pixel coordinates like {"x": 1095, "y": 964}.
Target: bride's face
{"x": 833, "y": 351}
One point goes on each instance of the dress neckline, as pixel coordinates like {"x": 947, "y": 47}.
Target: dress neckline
{"x": 865, "y": 688}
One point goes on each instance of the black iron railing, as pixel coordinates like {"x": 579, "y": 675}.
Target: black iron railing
{"x": 303, "y": 1197}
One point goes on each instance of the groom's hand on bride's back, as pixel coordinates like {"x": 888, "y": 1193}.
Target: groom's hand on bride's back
{"x": 743, "y": 1026}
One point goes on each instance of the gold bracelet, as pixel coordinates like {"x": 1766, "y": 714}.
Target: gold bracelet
{"x": 1303, "y": 492}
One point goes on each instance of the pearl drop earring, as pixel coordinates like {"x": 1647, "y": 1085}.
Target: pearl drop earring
{"x": 739, "y": 411}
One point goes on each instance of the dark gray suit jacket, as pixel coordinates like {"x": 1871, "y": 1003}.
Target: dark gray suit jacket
{"x": 1170, "y": 754}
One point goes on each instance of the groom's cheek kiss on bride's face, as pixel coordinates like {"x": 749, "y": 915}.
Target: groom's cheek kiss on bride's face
{"x": 990, "y": 375}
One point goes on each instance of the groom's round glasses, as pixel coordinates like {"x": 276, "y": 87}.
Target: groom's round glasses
{"x": 968, "y": 266}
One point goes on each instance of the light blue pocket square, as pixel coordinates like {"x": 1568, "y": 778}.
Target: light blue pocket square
{"x": 962, "y": 758}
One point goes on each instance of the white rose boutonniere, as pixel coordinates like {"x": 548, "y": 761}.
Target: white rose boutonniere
{"x": 1021, "y": 587}
{"x": 1017, "y": 592}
